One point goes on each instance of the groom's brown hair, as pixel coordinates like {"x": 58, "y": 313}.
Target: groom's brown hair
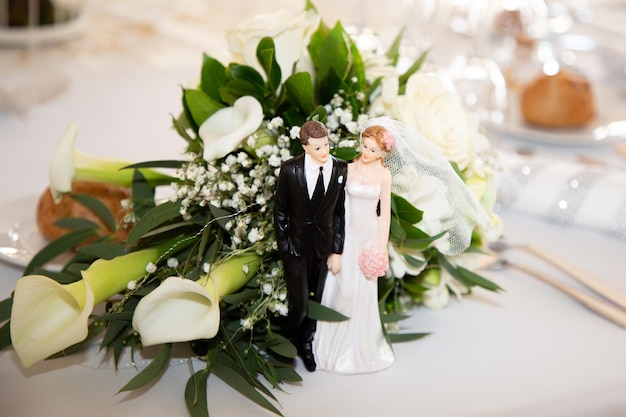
{"x": 312, "y": 129}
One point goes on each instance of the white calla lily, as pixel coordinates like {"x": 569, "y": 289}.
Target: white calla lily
{"x": 158, "y": 319}
{"x": 70, "y": 165}
{"x": 47, "y": 317}
{"x": 62, "y": 167}
{"x": 181, "y": 310}
{"x": 228, "y": 127}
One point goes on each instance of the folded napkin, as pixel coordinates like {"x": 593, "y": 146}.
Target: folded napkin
{"x": 563, "y": 192}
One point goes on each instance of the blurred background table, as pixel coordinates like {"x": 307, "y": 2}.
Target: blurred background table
{"x": 527, "y": 351}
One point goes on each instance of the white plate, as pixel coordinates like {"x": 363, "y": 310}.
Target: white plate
{"x": 611, "y": 108}
{"x": 20, "y": 239}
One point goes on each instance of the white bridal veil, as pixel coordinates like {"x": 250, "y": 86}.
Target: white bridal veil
{"x": 423, "y": 176}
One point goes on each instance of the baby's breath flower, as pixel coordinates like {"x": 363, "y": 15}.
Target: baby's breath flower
{"x": 151, "y": 268}
{"x": 172, "y": 262}
{"x": 267, "y": 288}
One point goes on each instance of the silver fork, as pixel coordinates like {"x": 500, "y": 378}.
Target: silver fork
{"x": 602, "y": 288}
{"x": 606, "y": 310}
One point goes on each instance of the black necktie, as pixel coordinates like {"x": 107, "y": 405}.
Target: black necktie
{"x": 318, "y": 193}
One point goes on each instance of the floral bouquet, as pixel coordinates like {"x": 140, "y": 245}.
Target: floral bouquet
{"x": 202, "y": 267}
{"x": 374, "y": 263}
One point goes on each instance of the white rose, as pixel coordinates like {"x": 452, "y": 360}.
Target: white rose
{"x": 434, "y": 110}
{"x": 426, "y": 193}
{"x": 377, "y": 65}
{"x": 291, "y": 34}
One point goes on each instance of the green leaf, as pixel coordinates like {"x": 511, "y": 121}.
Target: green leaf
{"x": 114, "y": 329}
{"x": 334, "y": 53}
{"x": 196, "y": 394}
{"x": 57, "y": 247}
{"x": 200, "y": 105}
{"x": 98, "y": 207}
{"x": 158, "y": 215}
{"x": 281, "y": 345}
{"x": 405, "y": 210}
{"x": 393, "y": 53}
{"x": 5, "y": 308}
{"x": 393, "y": 317}
{"x": 122, "y": 315}
{"x": 5, "y": 335}
{"x": 227, "y": 96}
{"x": 241, "y": 384}
{"x": 212, "y": 77}
{"x": 240, "y": 297}
{"x": 299, "y": 91}
{"x": 152, "y": 371}
{"x": 414, "y": 287}
{"x": 319, "y": 113}
{"x": 164, "y": 163}
{"x": 405, "y": 337}
{"x": 413, "y": 261}
{"x": 222, "y": 216}
{"x": 417, "y": 239}
{"x": 478, "y": 280}
{"x": 317, "y": 311}
{"x": 466, "y": 276}
{"x": 396, "y": 229}
{"x": 181, "y": 125}
{"x": 143, "y": 194}
{"x": 75, "y": 223}
{"x": 288, "y": 374}
{"x": 347, "y": 154}
{"x": 248, "y": 74}
{"x": 240, "y": 88}
{"x": 266, "y": 54}
{"x": 412, "y": 70}
{"x": 103, "y": 250}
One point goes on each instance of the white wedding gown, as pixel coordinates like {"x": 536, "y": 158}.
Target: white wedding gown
{"x": 357, "y": 345}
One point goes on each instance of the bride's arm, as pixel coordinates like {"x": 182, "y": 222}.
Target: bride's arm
{"x": 384, "y": 221}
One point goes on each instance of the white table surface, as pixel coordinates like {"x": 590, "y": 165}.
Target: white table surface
{"x": 529, "y": 351}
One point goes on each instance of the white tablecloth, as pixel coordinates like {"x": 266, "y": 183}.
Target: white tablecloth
{"x": 527, "y": 351}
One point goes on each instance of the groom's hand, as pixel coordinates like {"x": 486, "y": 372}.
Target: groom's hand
{"x": 334, "y": 263}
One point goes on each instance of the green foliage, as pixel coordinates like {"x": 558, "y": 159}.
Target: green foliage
{"x": 5, "y": 335}
{"x": 196, "y": 394}
{"x": 318, "y": 311}
{"x": 58, "y": 247}
{"x": 197, "y": 236}
{"x": 152, "y": 371}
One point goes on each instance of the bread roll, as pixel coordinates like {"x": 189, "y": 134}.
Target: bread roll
{"x": 48, "y": 212}
{"x": 558, "y": 101}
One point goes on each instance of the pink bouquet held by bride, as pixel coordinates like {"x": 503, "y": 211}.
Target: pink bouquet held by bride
{"x": 374, "y": 263}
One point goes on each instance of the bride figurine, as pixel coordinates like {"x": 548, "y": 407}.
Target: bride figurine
{"x": 358, "y": 345}
{"x": 394, "y": 157}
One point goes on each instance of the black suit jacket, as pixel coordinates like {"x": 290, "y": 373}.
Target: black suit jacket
{"x": 299, "y": 230}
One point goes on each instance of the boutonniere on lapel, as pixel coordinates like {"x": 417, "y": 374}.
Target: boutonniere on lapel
{"x": 340, "y": 179}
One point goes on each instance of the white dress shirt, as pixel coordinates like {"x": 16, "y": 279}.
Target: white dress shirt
{"x": 312, "y": 170}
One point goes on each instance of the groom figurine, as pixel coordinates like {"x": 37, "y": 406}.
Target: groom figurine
{"x": 309, "y": 220}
